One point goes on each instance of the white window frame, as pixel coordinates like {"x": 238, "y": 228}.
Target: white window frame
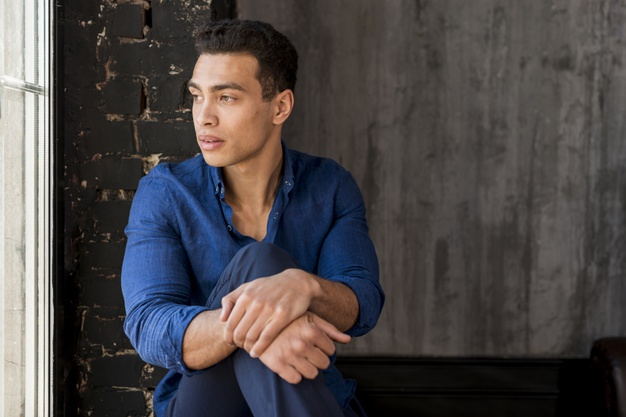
{"x": 32, "y": 89}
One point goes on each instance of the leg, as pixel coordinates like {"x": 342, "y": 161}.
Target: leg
{"x": 240, "y": 385}
{"x": 214, "y": 393}
{"x": 267, "y": 394}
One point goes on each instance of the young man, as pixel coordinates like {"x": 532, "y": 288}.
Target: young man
{"x": 246, "y": 263}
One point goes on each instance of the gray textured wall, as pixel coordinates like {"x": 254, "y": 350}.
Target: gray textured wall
{"x": 488, "y": 137}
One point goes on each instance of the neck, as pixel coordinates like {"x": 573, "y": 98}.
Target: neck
{"x": 253, "y": 188}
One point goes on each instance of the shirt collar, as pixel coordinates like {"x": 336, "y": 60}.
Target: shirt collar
{"x": 288, "y": 178}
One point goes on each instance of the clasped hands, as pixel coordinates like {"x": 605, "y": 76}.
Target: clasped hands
{"x": 270, "y": 319}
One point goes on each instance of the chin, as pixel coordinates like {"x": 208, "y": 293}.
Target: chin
{"x": 214, "y": 162}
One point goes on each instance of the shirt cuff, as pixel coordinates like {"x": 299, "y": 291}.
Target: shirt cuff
{"x": 369, "y": 300}
{"x": 176, "y": 335}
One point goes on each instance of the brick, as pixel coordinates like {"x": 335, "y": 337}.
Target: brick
{"x": 170, "y": 20}
{"x": 126, "y": 58}
{"x": 102, "y": 294}
{"x": 113, "y": 174}
{"x": 75, "y": 11}
{"x": 102, "y": 255}
{"x": 106, "y": 331}
{"x": 111, "y": 216}
{"x": 105, "y": 137}
{"x": 171, "y": 60}
{"x": 116, "y": 371}
{"x": 169, "y": 94}
{"x": 128, "y": 21}
{"x": 122, "y": 96}
{"x": 151, "y": 376}
{"x": 87, "y": 350}
{"x": 115, "y": 403}
{"x": 82, "y": 67}
{"x": 168, "y": 138}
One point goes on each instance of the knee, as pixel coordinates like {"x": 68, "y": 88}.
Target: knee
{"x": 261, "y": 259}
{"x": 265, "y": 252}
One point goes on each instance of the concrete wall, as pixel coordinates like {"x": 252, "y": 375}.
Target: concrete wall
{"x": 489, "y": 139}
{"x": 12, "y": 215}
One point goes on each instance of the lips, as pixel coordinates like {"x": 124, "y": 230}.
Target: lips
{"x": 209, "y": 143}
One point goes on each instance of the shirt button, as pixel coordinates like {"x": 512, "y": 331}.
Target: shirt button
{"x": 230, "y": 228}
{"x": 275, "y": 215}
{"x": 287, "y": 183}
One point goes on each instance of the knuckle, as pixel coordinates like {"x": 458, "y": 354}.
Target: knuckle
{"x": 280, "y": 311}
{"x": 246, "y": 295}
{"x": 264, "y": 339}
{"x": 309, "y": 333}
{"x": 239, "y": 335}
{"x": 299, "y": 345}
{"x": 256, "y": 305}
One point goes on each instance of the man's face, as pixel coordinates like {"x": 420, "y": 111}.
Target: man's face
{"x": 233, "y": 124}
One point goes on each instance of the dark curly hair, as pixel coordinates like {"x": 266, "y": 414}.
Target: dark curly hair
{"x": 277, "y": 57}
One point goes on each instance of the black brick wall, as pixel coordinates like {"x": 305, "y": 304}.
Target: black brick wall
{"x": 125, "y": 108}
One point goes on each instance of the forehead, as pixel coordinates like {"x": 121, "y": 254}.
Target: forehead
{"x": 218, "y": 69}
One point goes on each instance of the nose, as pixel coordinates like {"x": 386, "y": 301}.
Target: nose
{"x": 205, "y": 114}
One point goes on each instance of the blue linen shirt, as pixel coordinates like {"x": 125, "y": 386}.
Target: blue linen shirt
{"x": 181, "y": 237}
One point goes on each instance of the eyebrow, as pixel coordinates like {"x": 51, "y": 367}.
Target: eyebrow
{"x": 218, "y": 87}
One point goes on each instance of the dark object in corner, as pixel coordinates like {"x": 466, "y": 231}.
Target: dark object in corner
{"x": 608, "y": 359}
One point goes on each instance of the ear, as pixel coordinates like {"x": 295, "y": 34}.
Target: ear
{"x": 283, "y": 105}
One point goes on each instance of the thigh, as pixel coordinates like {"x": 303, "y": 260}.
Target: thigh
{"x": 268, "y": 395}
{"x": 213, "y": 393}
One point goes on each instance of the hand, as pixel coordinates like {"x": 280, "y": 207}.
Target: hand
{"x": 256, "y": 312}
{"x": 303, "y": 348}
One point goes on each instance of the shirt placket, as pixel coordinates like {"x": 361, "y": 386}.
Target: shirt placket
{"x": 278, "y": 209}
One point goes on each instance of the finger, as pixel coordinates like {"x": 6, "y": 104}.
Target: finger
{"x": 227, "y": 308}
{"x": 232, "y": 322}
{"x": 244, "y": 334}
{"x": 305, "y": 368}
{"x": 318, "y": 339}
{"x": 318, "y": 358}
{"x": 291, "y": 375}
{"x": 253, "y": 337}
{"x": 267, "y": 335}
{"x": 228, "y": 303}
{"x": 330, "y": 330}
{"x": 282, "y": 369}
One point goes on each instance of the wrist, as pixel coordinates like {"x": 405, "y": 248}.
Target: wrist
{"x": 310, "y": 283}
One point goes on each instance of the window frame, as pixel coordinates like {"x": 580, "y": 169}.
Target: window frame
{"x": 34, "y": 83}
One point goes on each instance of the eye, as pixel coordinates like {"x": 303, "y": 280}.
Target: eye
{"x": 196, "y": 98}
{"x": 226, "y": 98}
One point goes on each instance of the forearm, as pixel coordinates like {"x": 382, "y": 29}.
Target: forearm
{"x": 335, "y": 303}
{"x": 203, "y": 343}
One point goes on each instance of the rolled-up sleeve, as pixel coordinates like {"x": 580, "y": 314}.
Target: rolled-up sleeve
{"x": 348, "y": 254}
{"x": 155, "y": 279}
